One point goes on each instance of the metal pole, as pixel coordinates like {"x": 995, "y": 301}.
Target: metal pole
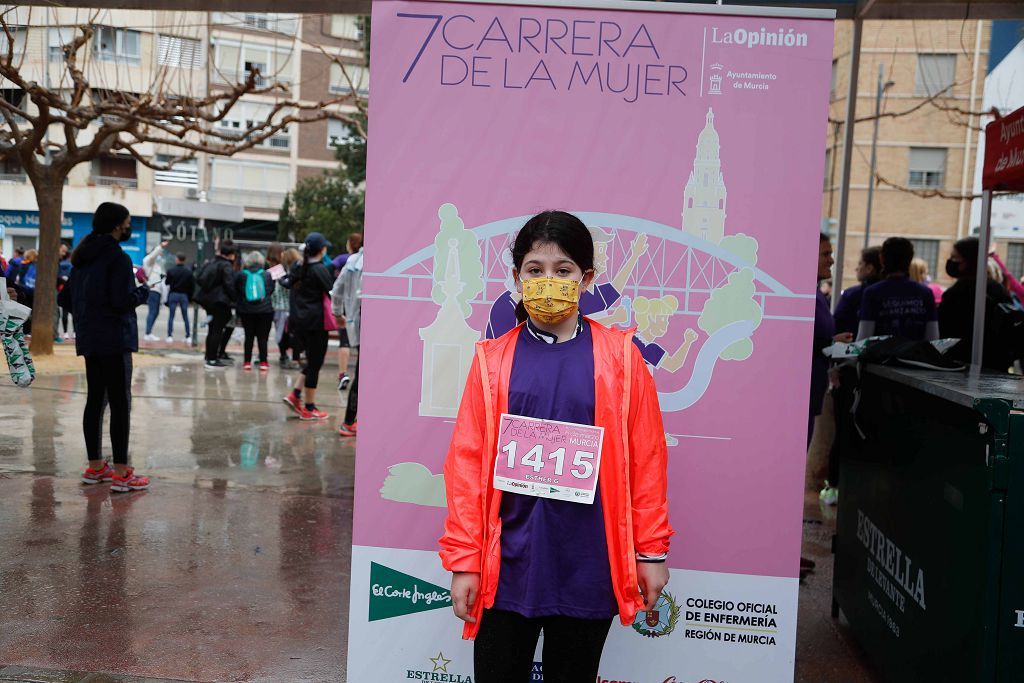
{"x": 844, "y": 188}
{"x": 981, "y": 280}
{"x": 874, "y": 155}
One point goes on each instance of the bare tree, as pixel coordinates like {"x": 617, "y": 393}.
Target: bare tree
{"x": 85, "y": 117}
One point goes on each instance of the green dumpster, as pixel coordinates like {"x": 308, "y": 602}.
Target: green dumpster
{"x": 929, "y": 552}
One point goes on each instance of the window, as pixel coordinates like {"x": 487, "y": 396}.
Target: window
{"x": 835, "y": 79}
{"x": 56, "y": 40}
{"x": 337, "y": 132}
{"x": 182, "y": 174}
{"x": 928, "y": 250}
{"x": 20, "y": 34}
{"x": 927, "y": 167}
{"x": 359, "y": 76}
{"x": 1015, "y": 258}
{"x": 935, "y": 74}
{"x": 116, "y": 44}
{"x": 348, "y": 26}
{"x": 234, "y": 63}
{"x": 186, "y": 53}
{"x": 11, "y": 171}
{"x": 245, "y": 116}
{"x": 16, "y": 97}
{"x": 114, "y": 171}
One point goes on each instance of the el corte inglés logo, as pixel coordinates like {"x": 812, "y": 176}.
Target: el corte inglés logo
{"x": 395, "y": 594}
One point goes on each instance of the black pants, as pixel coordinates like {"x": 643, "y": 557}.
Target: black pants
{"x": 353, "y": 397}
{"x": 220, "y": 317}
{"x": 315, "y": 344}
{"x": 257, "y": 327}
{"x": 504, "y": 648}
{"x": 109, "y": 382}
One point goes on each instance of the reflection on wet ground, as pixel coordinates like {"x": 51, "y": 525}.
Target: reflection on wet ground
{"x": 235, "y": 565}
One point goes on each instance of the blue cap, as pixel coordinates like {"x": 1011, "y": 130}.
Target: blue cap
{"x": 315, "y": 242}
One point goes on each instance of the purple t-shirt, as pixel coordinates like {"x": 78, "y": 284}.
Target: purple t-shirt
{"x": 502, "y": 317}
{"x": 554, "y": 556}
{"x": 898, "y": 306}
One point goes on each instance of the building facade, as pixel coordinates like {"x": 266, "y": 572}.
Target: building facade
{"x": 932, "y": 84}
{"x": 190, "y": 54}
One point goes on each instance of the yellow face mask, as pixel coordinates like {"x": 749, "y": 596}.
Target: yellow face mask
{"x": 551, "y": 300}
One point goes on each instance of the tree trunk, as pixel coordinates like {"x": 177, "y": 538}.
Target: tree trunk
{"x": 50, "y": 197}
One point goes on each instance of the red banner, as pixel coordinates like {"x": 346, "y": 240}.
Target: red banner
{"x": 1004, "y": 153}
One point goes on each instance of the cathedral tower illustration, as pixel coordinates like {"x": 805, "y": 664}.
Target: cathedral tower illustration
{"x": 705, "y": 196}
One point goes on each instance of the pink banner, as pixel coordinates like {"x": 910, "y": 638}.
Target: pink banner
{"x": 691, "y": 145}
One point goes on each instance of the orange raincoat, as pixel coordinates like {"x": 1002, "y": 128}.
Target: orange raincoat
{"x": 633, "y": 478}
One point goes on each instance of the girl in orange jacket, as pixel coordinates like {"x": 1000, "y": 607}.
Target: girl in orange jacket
{"x": 566, "y": 567}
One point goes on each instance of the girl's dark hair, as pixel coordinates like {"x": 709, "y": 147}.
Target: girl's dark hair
{"x": 562, "y": 229}
{"x": 355, "y": 242}
{"x": 968, "y": 250}
{"x": 274, "y": 252}
{"x": 108, "y": 216}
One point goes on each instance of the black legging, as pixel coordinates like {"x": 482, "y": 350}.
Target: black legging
{"x": 315, "y": 344}
{"x": 257, "y": 327}
{"x": 109, "y": 382}
{"x": 353, "y": 397}
{"x": 504, "y": 648}
{"x": 220, "y": 317}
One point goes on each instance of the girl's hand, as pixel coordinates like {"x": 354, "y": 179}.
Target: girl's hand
{"x": 465, "y": 589}
{"x": 652, "y": 577}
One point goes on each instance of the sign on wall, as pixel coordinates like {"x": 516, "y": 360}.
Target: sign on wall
{"x": 689, "y": 142}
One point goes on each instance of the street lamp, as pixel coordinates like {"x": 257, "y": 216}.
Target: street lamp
{"x": 879, "y": 91}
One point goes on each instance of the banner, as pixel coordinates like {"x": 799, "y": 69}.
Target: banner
{"x": 691, "y": 144}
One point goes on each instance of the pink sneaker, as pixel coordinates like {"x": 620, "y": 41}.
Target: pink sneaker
{"x": 129, "y": 482}
{"x": 264, "y": 367}
{"x": 247, "y": 367}
{"x": 296, "y": 405}
{"x": 314, "y": 414}
{"x": 101, "y": 476}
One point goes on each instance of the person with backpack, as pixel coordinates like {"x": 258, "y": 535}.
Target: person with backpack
{"x": 310, "y": 320}
{"x": 103, "y": 291}
{"x": 253, "y": 290}
{"x": 216, "y": 294}
{"x": 180, "y": 285}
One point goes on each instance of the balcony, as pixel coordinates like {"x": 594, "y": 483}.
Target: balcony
{"x": 255, "y": 199}
{"x": 234, "y": 77}
{"x": 113, "y": 181}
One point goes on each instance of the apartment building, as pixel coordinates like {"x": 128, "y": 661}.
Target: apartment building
{"x": 190, "y": 53}
{"x": 933, "y": 72}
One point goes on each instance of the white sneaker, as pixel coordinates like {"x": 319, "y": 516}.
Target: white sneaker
{"x": 170, "y": 340}
{"x": 149, "y": 337}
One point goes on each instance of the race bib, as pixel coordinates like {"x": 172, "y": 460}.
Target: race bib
{"x": 548, "y": 459}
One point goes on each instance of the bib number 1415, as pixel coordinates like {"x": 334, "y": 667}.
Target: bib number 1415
{"x": 548, "y": 459}
{"x": 582, "y": 461}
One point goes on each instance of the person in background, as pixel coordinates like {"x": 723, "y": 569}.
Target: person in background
{"x": 104, "y": 293}
{"x": 25, "y": 280}
{"x": 180, "y": 286}
{"x": 253, "y": 290}
{"x": 62, "y": 314}
{"x": 153, "y": 264}
{"x": 956, "y": 312}
{"x": 310, "y": 282}
{"x": 919, "y": 273}
{"x": 11, "y": 271}
{"x": 869, "y": 271}
{"x": 897, "y": 305}
{"x": 278, "y": 255}
{"x": 824, "y": 335}
{"x": 216, "y": 295}
{"x": 353, "y": 245}
{"x": 346, "y": 304}
{"x": 234, "y": 321}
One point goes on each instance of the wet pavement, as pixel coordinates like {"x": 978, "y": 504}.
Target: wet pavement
{"x": 234, "y": 566}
